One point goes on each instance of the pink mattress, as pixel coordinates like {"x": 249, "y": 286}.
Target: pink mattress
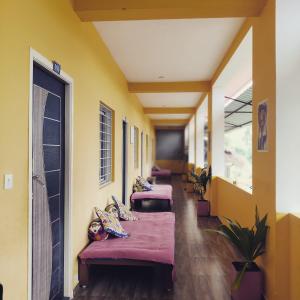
{"x": 152, "y": 238}
{"x": 159, "y": 191}
{"x": 161, "y": 173}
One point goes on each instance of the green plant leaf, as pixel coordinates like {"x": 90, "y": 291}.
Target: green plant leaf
{"x": 237, "y": 282}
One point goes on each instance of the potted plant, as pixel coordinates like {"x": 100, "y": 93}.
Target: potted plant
{"x": 203, "y": 207}
{"x": 250, "y": 242}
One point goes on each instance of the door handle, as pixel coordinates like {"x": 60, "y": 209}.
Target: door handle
{"x": 38, "y": 179}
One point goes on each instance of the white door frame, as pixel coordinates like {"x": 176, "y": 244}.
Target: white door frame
{"x": 36, "y": 57}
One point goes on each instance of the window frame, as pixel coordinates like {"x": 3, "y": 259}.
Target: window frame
{"x": 106, "y": 136}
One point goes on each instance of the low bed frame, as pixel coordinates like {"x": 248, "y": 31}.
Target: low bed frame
{"x": 151, "y": 243}
{"x": 160, "y": 198}
{"x": 165, "y": 270}
{"x": 151, "y": 205}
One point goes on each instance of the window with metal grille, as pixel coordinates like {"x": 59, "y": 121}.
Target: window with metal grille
{"x": 136, "y": 147}
{"x": 106, "y": 149}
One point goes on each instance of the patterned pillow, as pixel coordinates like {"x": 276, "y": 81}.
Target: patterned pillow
{"x": 112, "y": 209}
{"x": 124, "y": 213}
{"x": 137, "y": 188}
{"x": 110, "y": 223}
{"x": 150, "y": 180}
{"x": 156, "y": 168}
{"x": 140, "y": 180}
{"x": 146, "y": 186}
{"x": 96, "y": 231}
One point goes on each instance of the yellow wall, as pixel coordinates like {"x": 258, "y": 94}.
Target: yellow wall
{"x": 229, "y": 200}
{"x": 283, "y": 257}
{"x": 294, "y": 257}
{"x": 287, "y": 256}
{"x": 53, "y": 29}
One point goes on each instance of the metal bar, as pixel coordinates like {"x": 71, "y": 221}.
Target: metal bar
{"x": 240, "y": 101}
{"x": 239, "y": 108}
{"x": 246, "y": 123}
{"x": 233, "y": 125}
{"x": 238, "y": 112}
{"x": 237, "y": 126}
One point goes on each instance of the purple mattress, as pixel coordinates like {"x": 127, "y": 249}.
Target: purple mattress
{"x": 159, "y": 191}
{"x": 151, "y": 238}
{"x": 161, "y": 173}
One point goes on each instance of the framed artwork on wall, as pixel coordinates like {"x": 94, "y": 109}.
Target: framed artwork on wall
{"x": 262, "y": 126}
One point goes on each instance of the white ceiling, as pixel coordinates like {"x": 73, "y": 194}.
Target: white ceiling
{"x": 169, "y": 116}
{"x": 169, "y": 99}
{"x": 169, "y": 51}
{"x": 179, "y": 50}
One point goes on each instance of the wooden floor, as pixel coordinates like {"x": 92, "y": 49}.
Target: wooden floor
{"x": 202, "y": 264}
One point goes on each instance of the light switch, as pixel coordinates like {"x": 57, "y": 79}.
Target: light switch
{"x": 8, "y": 181}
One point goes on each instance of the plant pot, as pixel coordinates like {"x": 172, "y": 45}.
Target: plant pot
{"x": 251, "y": 287}
{"x": 203, "y": 208}
{"x": 189, "y": 187}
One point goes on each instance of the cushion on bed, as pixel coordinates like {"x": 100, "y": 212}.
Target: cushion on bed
{"x": 123, "y": 212}
{"x": 156, "y": 168}
{"x": 96, "y": 231}
{"x": 110, "y": 223}
{"x": 143, "y": 183}
{"x": 137, "y": 188}
{"x": 151, "y": 239}
{"x": 112, "y": 209}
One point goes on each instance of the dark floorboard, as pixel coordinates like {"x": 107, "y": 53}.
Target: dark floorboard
{"x": 203, "y": 261}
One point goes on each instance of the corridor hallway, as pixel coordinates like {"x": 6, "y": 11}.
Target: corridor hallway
{"x": 202, "y": 262}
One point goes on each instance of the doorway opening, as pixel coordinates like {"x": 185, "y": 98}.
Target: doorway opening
{"x": 50, "y": 181}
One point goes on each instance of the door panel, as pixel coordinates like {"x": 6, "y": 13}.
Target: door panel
{"x": 41, "y": 226}
{"x": 48, "y": 153}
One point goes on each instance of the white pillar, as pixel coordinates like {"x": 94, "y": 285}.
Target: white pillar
{"x": 287, "y": 105}
{"x": 192, "y": 140}
{"x": 217, "y": 132}
{"x": 201, "y": 116}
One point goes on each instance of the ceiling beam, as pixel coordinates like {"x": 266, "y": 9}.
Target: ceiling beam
{"x": 169, "y": 121}
{"x": 115, "y": 10}
{"x": 202, "y": 98}
{"x": 169, "y": 87}
{"x": 169, "y": 110}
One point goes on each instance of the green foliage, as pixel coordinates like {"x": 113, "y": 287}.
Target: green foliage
{"x": 250, "y": 242}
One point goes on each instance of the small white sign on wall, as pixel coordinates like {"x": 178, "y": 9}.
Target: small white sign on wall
{"x": 131, "y": 134}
